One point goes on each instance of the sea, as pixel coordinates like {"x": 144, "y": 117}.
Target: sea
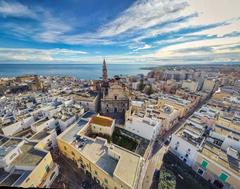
{"x": 80, "y": 71}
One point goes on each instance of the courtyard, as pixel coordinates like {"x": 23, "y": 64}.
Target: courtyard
{"x": 125, "y": 140}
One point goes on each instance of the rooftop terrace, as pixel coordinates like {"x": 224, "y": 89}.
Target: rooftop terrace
{"x": 13, "y": 179}
{"x": 191, "y": 132}
{"x": 102, "y": 121}
{"x": 40, "y": 135}
{"x": 217, "y": 155}
{"x": 70, "y": 133}
{"x": 29, "y": 155}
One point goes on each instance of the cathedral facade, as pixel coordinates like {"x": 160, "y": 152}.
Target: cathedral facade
{"x": 114, "y": 95}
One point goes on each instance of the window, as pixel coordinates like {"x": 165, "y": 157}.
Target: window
{"x": 47, "y": 168}
{"x": 65, "y": 148}
{"x": 204, "y": 164}
{"x": 176, "y": 148}
{"x": 223, "y": 177}
{"x": 200, "y": 171}
{"x": 115, "y": 97}
{"x": 73, "y": 154}
{"x": 186, "y": 155}
{"x": 218, "y": 184}
{"x": 106, "y": 181}
{"x": 96, "y": 173}
{"x": 52, "y": 175}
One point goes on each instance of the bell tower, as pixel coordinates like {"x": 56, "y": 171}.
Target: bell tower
{"x": 104, "y": 71}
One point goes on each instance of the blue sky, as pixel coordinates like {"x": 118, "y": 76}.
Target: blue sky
{"x": 126, "y": 31}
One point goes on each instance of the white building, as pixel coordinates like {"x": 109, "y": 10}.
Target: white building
{"x": 186, "y": 142}
{"x": 208, "y": 85}
{"x": 43, "y": 123}
{"x": 183, "y": 149}
{"x": 139, "y": 123}
{"x": 192, "y": 86}
{"x": 18, "y": 126}
{"x": 167, "y": 115}
{"x": 102, "y": 125}
{"x": 135, "y": 85}
{"x": 89, "y": 100}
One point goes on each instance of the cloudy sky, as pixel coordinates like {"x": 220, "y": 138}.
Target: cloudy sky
{"x": 126, "y": 31}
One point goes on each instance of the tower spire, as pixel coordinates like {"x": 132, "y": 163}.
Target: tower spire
{"x": 104, "y": 71}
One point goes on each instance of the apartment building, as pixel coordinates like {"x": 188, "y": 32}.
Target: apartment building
{"x": 182, "y": 105}
{"x": 23, "y": 164}
{"x": 166, "y": 114}
{"x": 209, "y": 143}
{"x": 208, "y": 85}
{"x": 106, "y": 163}
{"x": 192, "y": 86}
{"x": 141, "y": 123}
{"x": 89, "y": 100}
{"x": 102, "y": 125}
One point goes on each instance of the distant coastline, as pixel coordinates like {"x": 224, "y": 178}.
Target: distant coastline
{"x": 149, "y": 68}
{"x": 80, "y": 71}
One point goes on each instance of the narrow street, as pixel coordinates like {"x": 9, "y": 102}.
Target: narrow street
{"x": 154, "y": 163}
{"x": 70, "y": 176}
{"x": 159, "y": 149}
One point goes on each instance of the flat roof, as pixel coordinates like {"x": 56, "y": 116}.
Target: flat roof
{"x": 191, "y": 132}
{"x": 14, "y": 178}
{"x": 102, "y": 121}
{"x": 3, "y": 140}
{"x": 29, "y": 155}
{"x": 107, "y": 163}
{"x": 3, "y": 174}
{"x": 40, "y": 135}
{"x": 97, "y": 152}
{"x": 41, "y": 121}
{"x": 218, "y": 156}
{"x": 12, "y": 142}
{"x": 129, "y": 163}
{"x": 88, "y": 115}
{"x": 87, "y": 96}
{"x": 69, "y": 135}
{"x": 10, "y": 179}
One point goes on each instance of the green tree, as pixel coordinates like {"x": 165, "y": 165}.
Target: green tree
{"x": 148, "y": 90}
{"x": 141, "y": 85}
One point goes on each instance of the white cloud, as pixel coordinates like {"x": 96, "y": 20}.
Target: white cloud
{"x": 16, "y": 9}
{"x": 38, "y": 55}
{"x": 131, "y": 28}
{"x": 215, "y": 49}
{"x": 142, "y": 15}
{"x": 70, "y": 56}
{"x": 146, "y": 46}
